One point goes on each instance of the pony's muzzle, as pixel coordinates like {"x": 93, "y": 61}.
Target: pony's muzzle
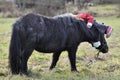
{"x": 105, "y": 49}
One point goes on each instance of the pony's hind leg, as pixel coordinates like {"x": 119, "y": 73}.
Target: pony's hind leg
{"x": 26, "y": 53}
{"x": 55, "y": 59}
{"x": 24, "y": 59}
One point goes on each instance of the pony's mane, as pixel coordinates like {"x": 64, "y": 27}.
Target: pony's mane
{"x": 65, "y": 21}
{"x": 65, "y": 15}
{"x": 69, "y": 19}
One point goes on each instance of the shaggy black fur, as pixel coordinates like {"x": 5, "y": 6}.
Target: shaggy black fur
{"x": 49, "y": 34}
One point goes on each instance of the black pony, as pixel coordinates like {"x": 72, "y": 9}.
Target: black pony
{"x": 49, "y": 34}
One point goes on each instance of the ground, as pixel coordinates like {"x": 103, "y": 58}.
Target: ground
{"x": 107, "y": 68}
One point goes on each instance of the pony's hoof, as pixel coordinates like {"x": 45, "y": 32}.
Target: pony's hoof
{"x": 51, "y": 68}
{"x": 74, "y": 70}
{"x": 24, "y": 73}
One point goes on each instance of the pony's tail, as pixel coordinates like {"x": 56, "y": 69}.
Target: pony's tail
{"x": 15, "y": 50}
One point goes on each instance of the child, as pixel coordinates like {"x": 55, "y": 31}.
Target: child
{"x": 90, "y": 21}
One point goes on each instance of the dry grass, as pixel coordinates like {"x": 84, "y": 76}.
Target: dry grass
{"x": 106, "y": 69}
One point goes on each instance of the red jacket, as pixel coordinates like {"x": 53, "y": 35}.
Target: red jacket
{"x": 87, "y": 17}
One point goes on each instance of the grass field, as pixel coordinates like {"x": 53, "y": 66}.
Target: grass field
{"x": 108, "y": 68}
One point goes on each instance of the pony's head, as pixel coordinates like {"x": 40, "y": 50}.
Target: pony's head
{"x": 93, "y": 35}
{"x": 98, "y": 40}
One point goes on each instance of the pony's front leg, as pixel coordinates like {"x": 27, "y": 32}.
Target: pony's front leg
{"x": 72, "y": 58}
{"x": 55, "y": 59}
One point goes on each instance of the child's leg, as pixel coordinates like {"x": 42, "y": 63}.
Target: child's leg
{"x": 105, "y": 29}
{"x": 102, "y": 27}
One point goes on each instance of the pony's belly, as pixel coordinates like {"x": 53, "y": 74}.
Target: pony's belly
{"x": 49, "y": 49}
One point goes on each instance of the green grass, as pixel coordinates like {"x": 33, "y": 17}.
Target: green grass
{"x": 106, "y": 69}
{"x": 39, "y": 63}
{"x": 105, "y": 10}
{"x": 5, "y": 24}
